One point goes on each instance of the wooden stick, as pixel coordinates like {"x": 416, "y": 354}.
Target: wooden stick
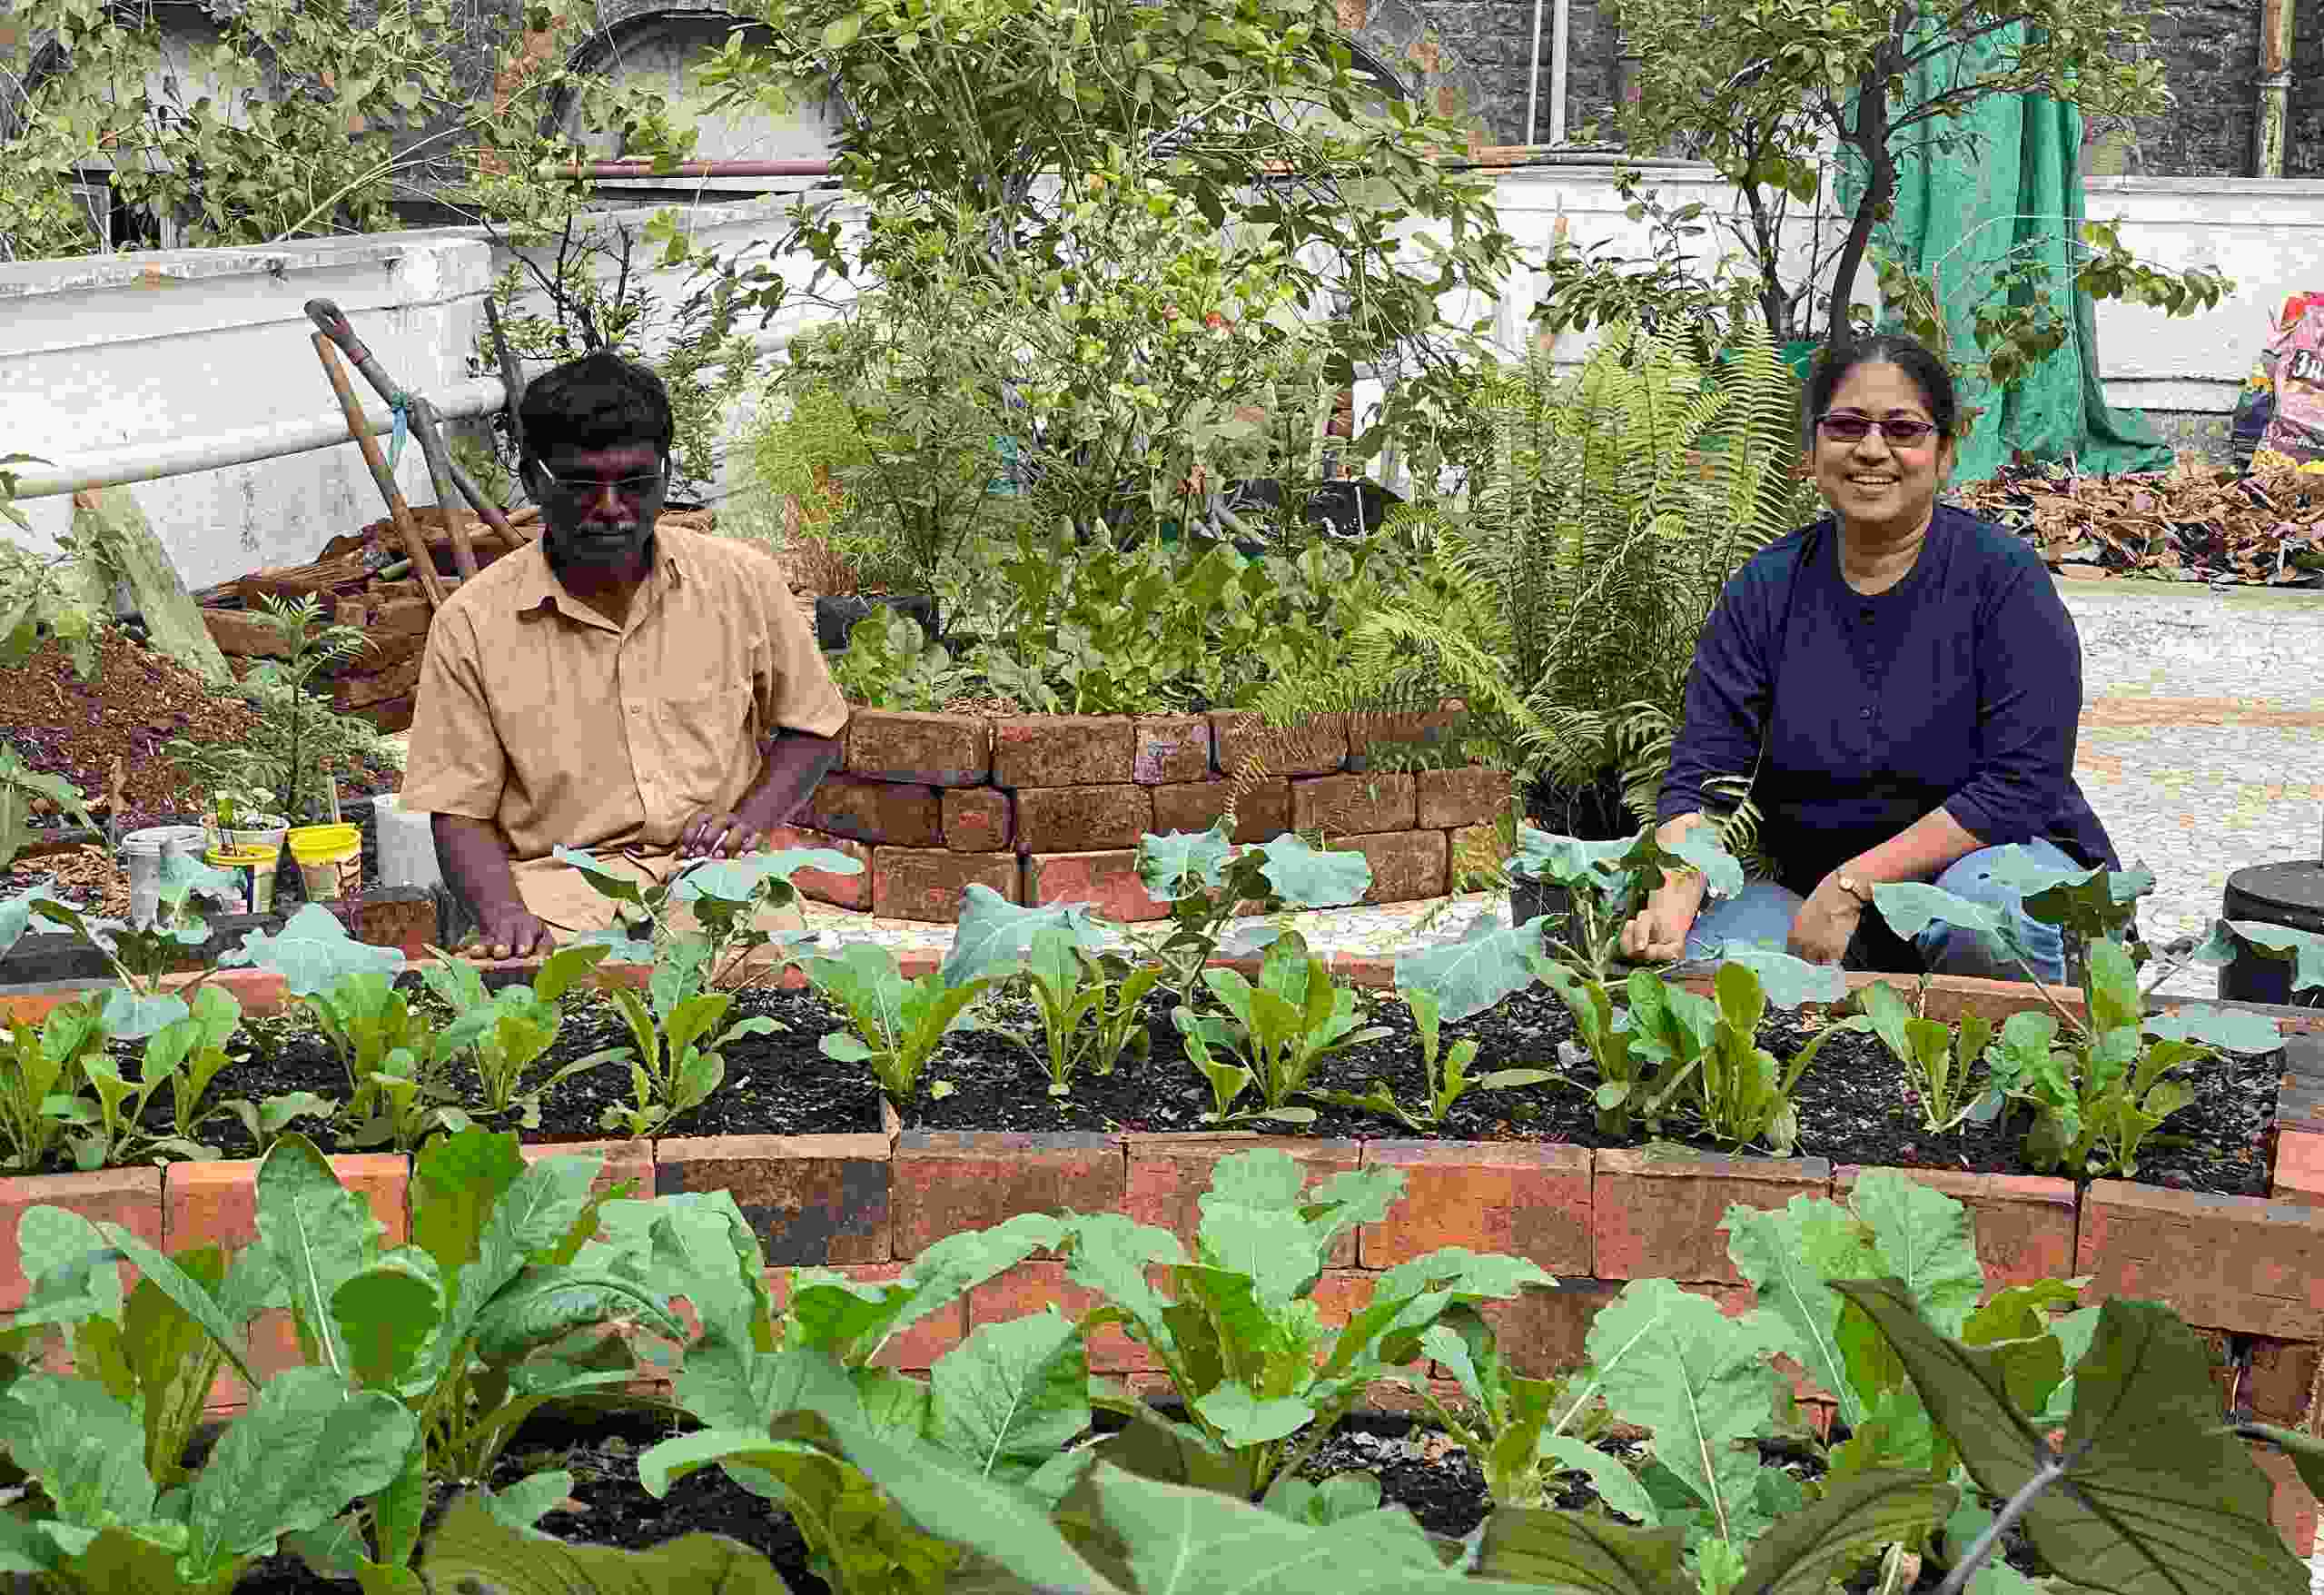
{"x": 440, "y": 471}
{"x": 422, "y": 561}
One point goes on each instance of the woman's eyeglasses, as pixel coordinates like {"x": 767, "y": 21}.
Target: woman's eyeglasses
{"x": 633, "y": 489}
{"x": 1842, "y": 428}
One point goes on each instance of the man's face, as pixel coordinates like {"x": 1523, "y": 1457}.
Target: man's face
{"x": 600, "y": 508}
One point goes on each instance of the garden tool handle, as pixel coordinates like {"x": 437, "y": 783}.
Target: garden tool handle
{"x": 397, "y": 510}
{"x": 440, "y": 471}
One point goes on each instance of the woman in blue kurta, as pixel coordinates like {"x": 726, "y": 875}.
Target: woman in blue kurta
{"x": 1901, "y": 683}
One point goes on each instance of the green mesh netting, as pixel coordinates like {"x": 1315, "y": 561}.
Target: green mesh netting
{"x": 2018, "y": 190}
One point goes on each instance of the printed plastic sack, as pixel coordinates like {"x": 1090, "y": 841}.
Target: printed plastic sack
{"x": 2292, "y": 366}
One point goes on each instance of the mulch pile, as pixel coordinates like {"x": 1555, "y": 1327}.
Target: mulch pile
{"x": 2196, "y": 522}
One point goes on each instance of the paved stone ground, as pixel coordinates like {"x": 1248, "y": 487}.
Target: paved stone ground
{"x": 2202, "y": 750}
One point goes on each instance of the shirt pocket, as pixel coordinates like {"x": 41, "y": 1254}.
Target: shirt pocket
{"x": 707, "y": 747}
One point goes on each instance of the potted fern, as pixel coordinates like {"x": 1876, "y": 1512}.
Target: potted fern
{"x": 1606, "y": 512}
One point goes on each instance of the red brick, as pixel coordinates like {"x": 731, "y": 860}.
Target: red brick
{"x": 1060, "y": 750}
{"x": 1408, "y": 867}
{"x": 2233, "y": 1263}
{"x": 1108, "y": 879}
{"x": 1528, "y": 1201}
{"x": 916, "y": 1348}
{"x": 2280, "y": 1386}
{"x": 876, "y": 811}
{"x": 823, "y": 886}
{"x": 1316, "y": 748}
{"x": 1168, "y": 1174}
{"x": 1169, "y": 748}
{"x": 811, "y": 1200}
{"x": 1261, "y": 815}
{"x": 2291, "y": 1508}
{"x": 1472, "y": 795}
{"x": 131, "y": 1198}
{"x": 1544, "y": 1332}
{"x": 977, "y": 820}
{"x": 1373, "y": 736}
{"x": 259, "y": 991}
{"x": 1082, "y": 820}
{"x": 1030, "y": 1287}
{"x": 2300, "y": 1167}
{"x": 930, "y": 750}
{"x": 928, "y": 885}
{"x": 2024, "y": 1222}
{"x": 945, "y": 1181}
{"x": 1657, "y": 1218}
{"x": 1353, "y": 805}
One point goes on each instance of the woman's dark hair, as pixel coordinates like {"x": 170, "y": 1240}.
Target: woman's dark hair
{"x": 1907, "y": 354}
{"x": 598, "y": 401}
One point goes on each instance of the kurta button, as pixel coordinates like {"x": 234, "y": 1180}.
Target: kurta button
{"x": 1864, "y": 713}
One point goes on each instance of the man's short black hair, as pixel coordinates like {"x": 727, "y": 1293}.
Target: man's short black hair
{"x": 598, "y": 401}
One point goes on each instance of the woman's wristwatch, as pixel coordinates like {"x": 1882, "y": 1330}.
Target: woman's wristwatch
{"x": 1854, "y": 887}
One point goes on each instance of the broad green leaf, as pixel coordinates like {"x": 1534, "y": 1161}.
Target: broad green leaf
{"x": 544, "y": 1303}
{"x": 1242, "y": 1418}
{"x": 1172, "y": 864}
{"x": 1109, "y": 1253}
{"x": 528, "y": 1501}
{"x": 455, "y": 1181}
{"x": 563, "y": 970}
{"x": 472, "y": 1548}
{"x": 1911, "y": 907}
{"x": 2228, "y": 1029}
{"x": 384, "y": 1314}
{"x": 2090, "y": 903}
{"x": 1007, "y": 1398}
{"x": 1671, "y": 1360}
{"x": 1789, "y": 1255}
{"x": 1567, "y": 1550}
{"x": 312, "y": 952}
{"x": 68, "y": 1262}
{"x": 841, "y": 31}
{"x": 315, "y": 1234}
{"x": 1616, "y": 1486}
{"x": 995, "y": 933}
{"x": 133, "y": 1016}
{"x": 1787, "y": 981}
{"x": 1804, "y": 1551}
{"x": 1324, "y": 1501}
{"x": 307, "y": 1447}
{"x": 86, "y": 1449}
{"x": 621, "y": 889}
{"x": 1721, "y": 872}
{"x": 852, "y": 1321}
{"x": 2303, "y": 948}
{"x": 1926, "y": 1240}
{"x": 17, "y": 913}
{"x": 1303, "y": 877}
{"x": 1490, "y": 962}
{"x": 220, "y": 1323}
{"x": 171, "y": 1358}
{"x": 735, "y": 879}
{"x": 1569, "y": 861}
{"x": 2153, "y": 1495}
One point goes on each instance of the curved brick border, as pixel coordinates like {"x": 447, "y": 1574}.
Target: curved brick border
{"x": 2248, "y": 1272}
{"x": 1045, "y": 808}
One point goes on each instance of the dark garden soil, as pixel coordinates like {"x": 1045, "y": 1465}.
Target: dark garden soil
{"x": 1852, "y": 1101}
{"x": 1419, "y": 1467}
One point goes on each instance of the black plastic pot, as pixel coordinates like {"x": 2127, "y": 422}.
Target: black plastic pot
{"x": 1594, "y": 813}
{"x": 2290, "y": 895}
{"x": 835, "y": 616}
{"x": 1530, "y": 900}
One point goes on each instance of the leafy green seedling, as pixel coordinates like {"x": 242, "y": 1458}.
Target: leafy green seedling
{"x": 1448, "y": 1078}
{"x": 1936, "y": 1073}
{"x": 1292, "y": 1019}
{"x": 1205, "y": 880}
{"x": 511, "y": 1028}
{"x": 895, "y": 1024}
{"x": 1608, "y": 882}
{"x": 676, "y": 1062}
{"x": 1088, "y": 1003}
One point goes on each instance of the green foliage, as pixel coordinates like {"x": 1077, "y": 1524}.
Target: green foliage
{"x": 2098, "y": 1085}
{"x": 139, "y": 953}
{"x": 1936, "y": 1074}
{"x": 474, "y": 1548}
{"x": 511, "y": 1027}
{"x": 1448, "y": 1072}
{"x": 894, "y": 1026}
{"x": 674, "y": 1064}
{"x": 726, "y": 898}
{"x": 21, "y": 786}
{"x": 1205, "y": 880}
{"x": 1598, "y": 535}
{"x": 1091, "y": 1006}
{"x": 1608, "y": 884}
{"x": 993, "y": 935}
{"x": 889, "y": 663}
{"x": 40, "y": 598}
{"x": 1280, "y": 1028}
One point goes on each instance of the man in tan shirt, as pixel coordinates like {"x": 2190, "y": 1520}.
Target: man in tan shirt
{"x": 648, "y": 694}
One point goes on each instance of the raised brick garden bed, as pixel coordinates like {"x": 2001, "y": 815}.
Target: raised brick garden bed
{"x": 1045, "y": 808}
{"x": 2247, "y": 1271}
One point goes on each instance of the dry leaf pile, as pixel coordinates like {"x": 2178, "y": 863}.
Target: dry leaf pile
{"x": 2196, "y": 522}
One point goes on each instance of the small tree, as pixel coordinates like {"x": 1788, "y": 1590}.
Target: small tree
{"x": 1761, "y": 88}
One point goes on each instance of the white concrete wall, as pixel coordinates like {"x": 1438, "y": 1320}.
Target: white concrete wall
{"x": 123, "y": 352}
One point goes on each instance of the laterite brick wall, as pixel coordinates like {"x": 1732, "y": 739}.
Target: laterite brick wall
{"x": 1044, "y": 808}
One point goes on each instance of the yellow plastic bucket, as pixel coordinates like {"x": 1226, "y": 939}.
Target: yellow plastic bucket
{"x": 253, "y": 870}
{"x": 330, "y": 858}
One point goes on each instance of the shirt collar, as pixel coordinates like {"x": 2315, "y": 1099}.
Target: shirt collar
{"x": 538, "y": 585}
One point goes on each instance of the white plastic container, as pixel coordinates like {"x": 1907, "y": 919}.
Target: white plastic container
{"x": 140, "y": 852}
{"x": 406, "y": 841}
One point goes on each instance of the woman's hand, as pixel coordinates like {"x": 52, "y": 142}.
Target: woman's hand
{"x": 1826, "y": 924}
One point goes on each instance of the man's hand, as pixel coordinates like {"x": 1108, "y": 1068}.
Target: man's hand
{"x": 718, "y": 836}
{"x": 1826, "y": 924}
{"x": 512, "y": 932}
